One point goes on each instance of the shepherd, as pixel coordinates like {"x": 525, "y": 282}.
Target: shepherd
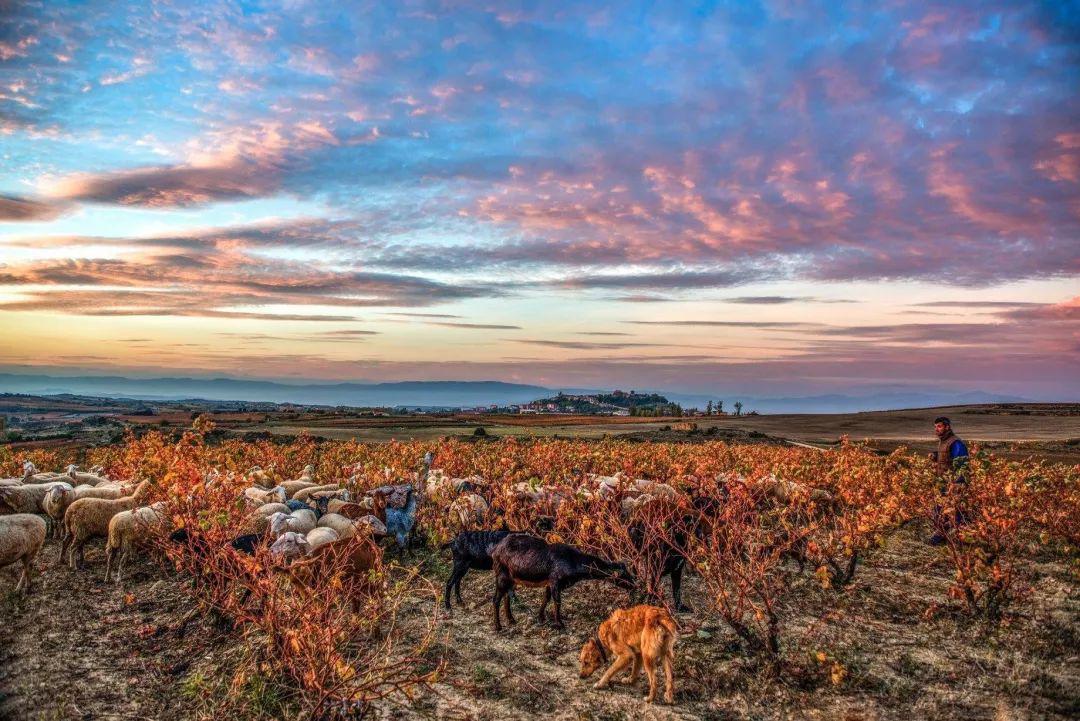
{"x": 951, "y": 458}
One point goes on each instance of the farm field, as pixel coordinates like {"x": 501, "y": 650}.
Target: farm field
{"x": 983, "y": 627}
{"x": 1014, "y": 430}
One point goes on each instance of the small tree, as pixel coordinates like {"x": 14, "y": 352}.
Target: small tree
{"x": 708, "y": 408}
{"x": 738, "y": 408}
{"x": 719, "y": 408}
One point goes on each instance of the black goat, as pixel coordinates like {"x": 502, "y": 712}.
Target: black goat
{"x": 471, "y": 549}
{"x": 531, "y": 561}
{"x": 672, "y": 559}
{"x": 246, "y": 544}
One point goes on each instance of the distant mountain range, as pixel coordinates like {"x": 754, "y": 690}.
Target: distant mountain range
{"x": 454, "y": 394}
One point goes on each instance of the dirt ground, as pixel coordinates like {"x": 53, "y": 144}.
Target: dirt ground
{"x": 79, "y": 648}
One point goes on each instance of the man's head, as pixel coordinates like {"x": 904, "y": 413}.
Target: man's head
{"x": 942, "y": 425}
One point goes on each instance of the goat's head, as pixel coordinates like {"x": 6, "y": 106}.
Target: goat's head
{"x": 620, "y": 575}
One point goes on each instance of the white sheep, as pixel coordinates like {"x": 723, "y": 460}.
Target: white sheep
{"x": 21, "y": 537}
{"x": 345, "y": 527}
{"x": 88, "y": 518}
{"x": 26, "y": 498}
{"x": 289, "y": 546}
{"x": 128, "y": 529}
{"x": 320, "y": 537}
{"x": 268, "y": 509}
{"x": 301, "y": 521}
{"x": 90, "y": 478}
{"x": 377, "y": 527}
{"x": 59, "y": 497}
{"x": 470, "y": 509}
{"x": 294, "y": 487}
{"x": 304, "y": 493}
{"x": 261, "y": 496}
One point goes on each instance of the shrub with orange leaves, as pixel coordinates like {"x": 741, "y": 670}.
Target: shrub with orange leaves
{"x": 341, "y": 643}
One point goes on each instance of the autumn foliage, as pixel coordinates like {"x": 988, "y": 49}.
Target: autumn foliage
{"x": 746, "y": 517}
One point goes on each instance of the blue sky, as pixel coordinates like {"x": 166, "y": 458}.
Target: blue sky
{"x": 748, "y": 196}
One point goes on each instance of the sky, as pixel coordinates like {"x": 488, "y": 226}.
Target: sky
{"x": 774, "y": 198}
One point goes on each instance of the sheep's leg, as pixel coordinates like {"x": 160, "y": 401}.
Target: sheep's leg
{"x": 618, "y": 665}
{"x": 120, "y": 562}
{"x": 650, "y": 671}
{"x": 71, "y": 551}
{"x": 65, "y": 545}
{"x": 24, "y": 577}
{"x": 110, "y": 554}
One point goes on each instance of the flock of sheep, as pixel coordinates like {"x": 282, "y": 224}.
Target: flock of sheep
{"x": 307, "y": 526}
{"x": 296, "y": 516}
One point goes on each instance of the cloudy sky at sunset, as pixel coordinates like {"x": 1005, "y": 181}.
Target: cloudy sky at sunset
{"x": 782, "y": 198}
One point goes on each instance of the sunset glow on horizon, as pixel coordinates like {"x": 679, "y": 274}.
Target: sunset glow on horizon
{"x": 771, "y": 197}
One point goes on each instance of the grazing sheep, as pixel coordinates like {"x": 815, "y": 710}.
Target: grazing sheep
{"x": 269, "y": 509}
{"x": 298, "y": 522}
{"x": 368, "y": 505}
{"x": 57, "y": 500}
{"x": 294, "y": 487}
{"x": 295, "y": 505}
{"x": 470, "y": 509}
{"x": 259, "y": 477}
{"x": 345, "y": 527}
{"x": 21, "y": 536}
{"x": 304, "y": 493}
{"x": 289, "y": 546}
{"x": 320, "y": 537}
{"x": 88, "y": 518}
{"x": 262, "y": 497}
{"x": 374, "y": 525}
{"x": 131, "y": 528}
{"x": 352, "y": 558}
{"x": 26, "y": 498}
{"x": 90, "y": 478}
{"x": 531, "y": 561}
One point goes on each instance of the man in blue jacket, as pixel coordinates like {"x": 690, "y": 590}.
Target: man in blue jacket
{"x": 951, "y": 458}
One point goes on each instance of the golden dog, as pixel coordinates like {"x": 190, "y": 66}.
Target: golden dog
{"x": 642, "y": 636}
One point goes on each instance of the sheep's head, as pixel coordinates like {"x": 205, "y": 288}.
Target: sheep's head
{"x": 377, "y": 528}
{"x": 72, "y": 469}
{"x": 279, "y": 523}
{"x": 291, "y": 545}
{"x": 279, "y": 492}
{"x": 29, "y": 469}
{"x": 590, "y": 658}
